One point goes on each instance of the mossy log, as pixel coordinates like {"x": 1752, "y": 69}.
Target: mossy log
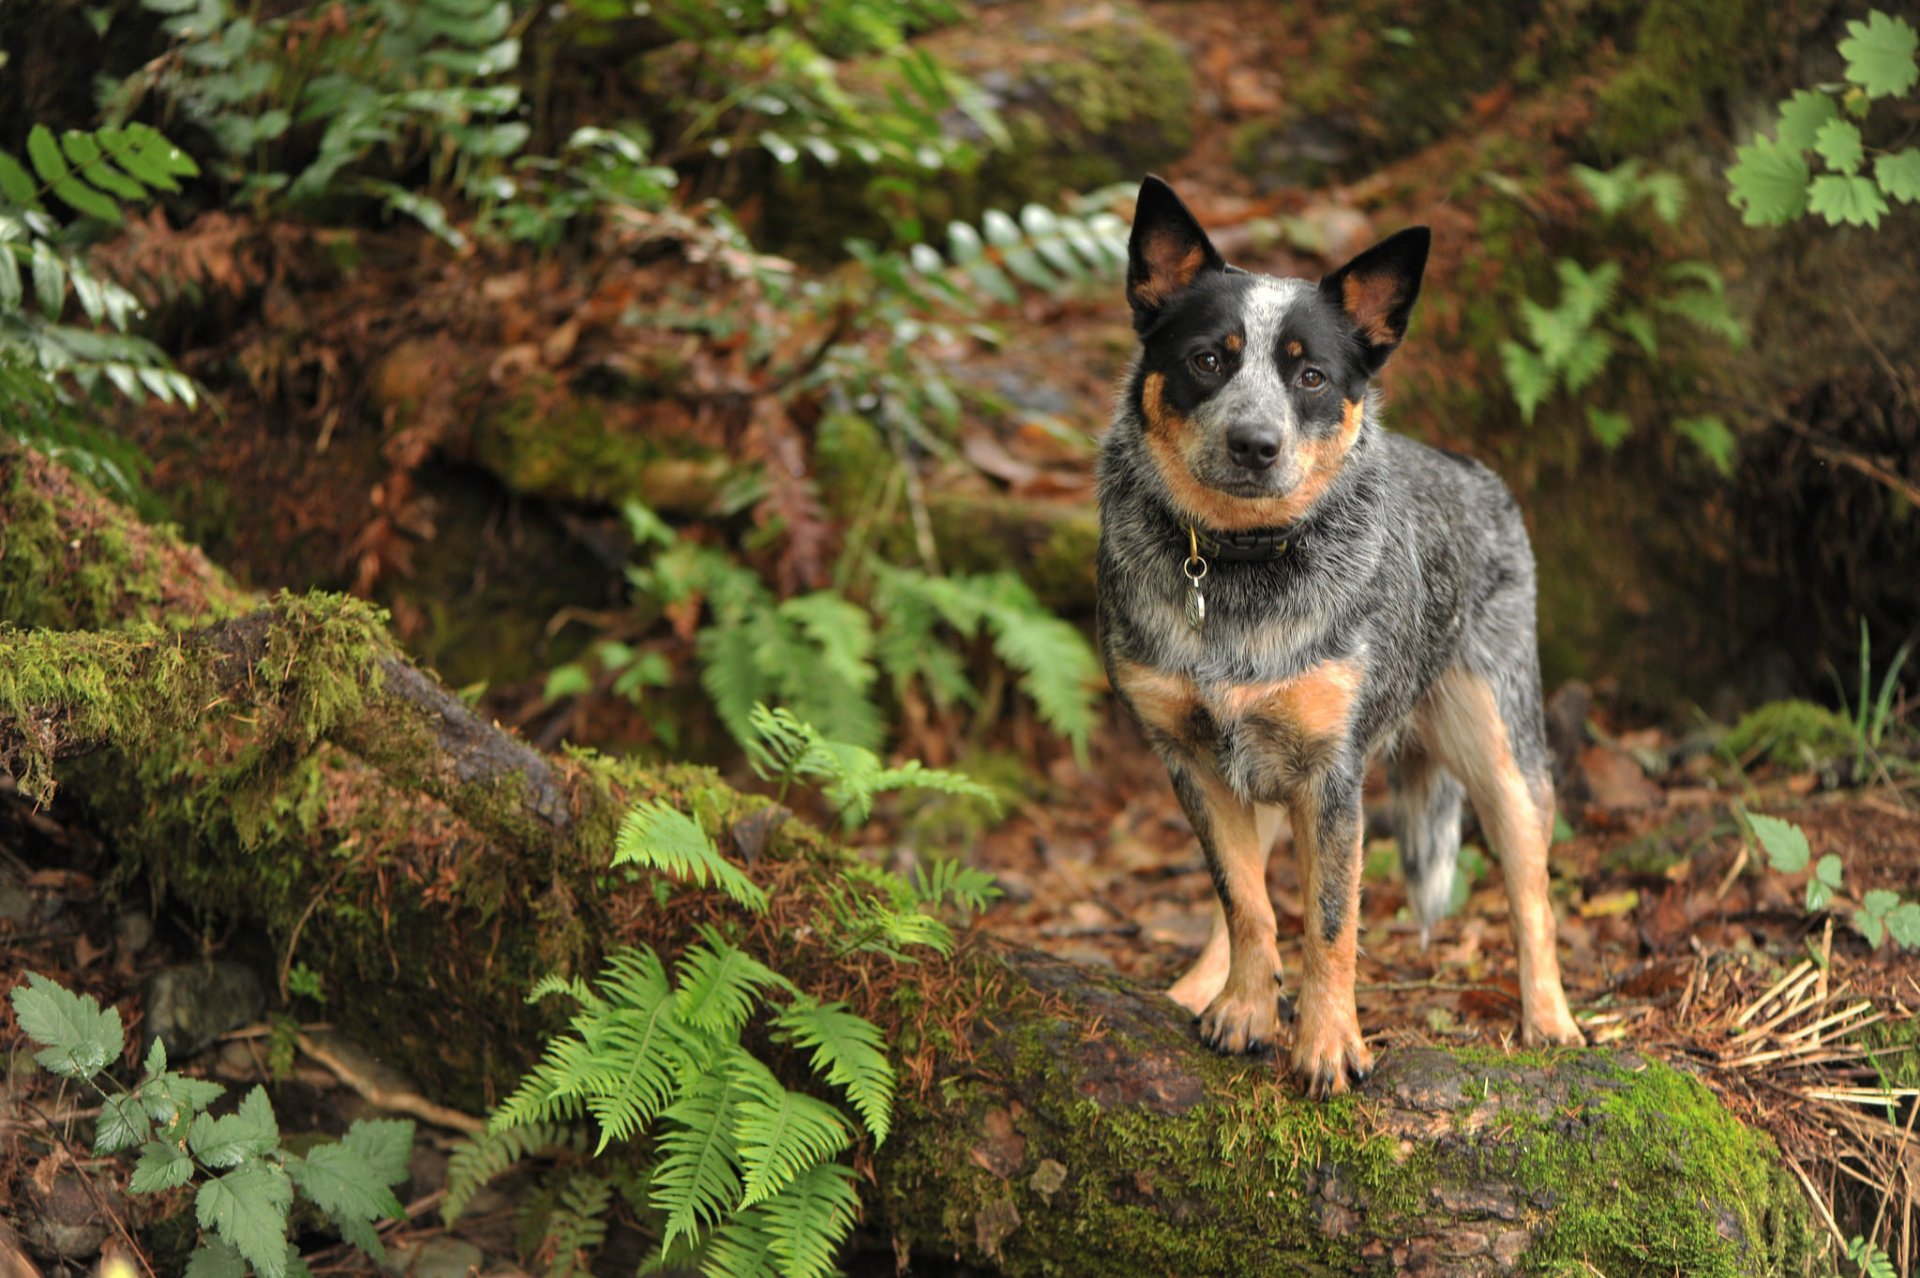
{"x": 280, "y": 767}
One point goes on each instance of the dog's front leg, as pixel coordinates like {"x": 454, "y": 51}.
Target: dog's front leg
{"x": 1327, "y": 837}
{"x": 1244, "y": 1016}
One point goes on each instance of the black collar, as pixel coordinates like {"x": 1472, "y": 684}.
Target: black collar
{"x": 1254, "y": 545}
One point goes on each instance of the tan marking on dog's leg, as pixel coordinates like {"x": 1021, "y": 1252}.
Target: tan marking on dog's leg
{"x": 1327, "y": 1047}
{"x": 1161, "y": 701}
{"x": 1470, "y": 738}
{"x": 1244, "y": 1016}
{"x": 1208, "y": 975}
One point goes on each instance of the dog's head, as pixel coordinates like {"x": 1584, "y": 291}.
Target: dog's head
{"x": 1251, "y": 390}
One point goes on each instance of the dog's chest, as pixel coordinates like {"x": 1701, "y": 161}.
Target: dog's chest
{"x": 1261, "y": 738}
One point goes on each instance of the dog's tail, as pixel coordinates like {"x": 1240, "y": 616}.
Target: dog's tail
{"x": 1426, "y": 821}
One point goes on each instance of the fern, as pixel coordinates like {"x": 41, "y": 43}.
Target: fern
{"x": 576, "y": 1225}
{"x": 847, "y": 1053}
{"x": 720, "y": 986}
{"x": 485, "y": 1155}
{"x": 779, "y": 1140}
{"x": 938, "y": 881}
{"x": 697, "y": 1181}
{"x": 786, "y": 747}
{"x": 806, "y": 1222}
{"x": 661, "y": 837}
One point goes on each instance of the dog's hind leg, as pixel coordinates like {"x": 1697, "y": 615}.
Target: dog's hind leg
{"x": 1205, "y": 979}
{"x": 1474, "y": 736}
{"x": 1426, "y": 824}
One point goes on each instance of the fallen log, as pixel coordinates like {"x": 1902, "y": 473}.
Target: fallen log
{"x": 279, "y": 765}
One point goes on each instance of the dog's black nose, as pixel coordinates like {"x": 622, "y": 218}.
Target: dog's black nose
{"x": 1253, "y": 445}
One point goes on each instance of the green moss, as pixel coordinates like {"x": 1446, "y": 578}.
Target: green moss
{"x": 1686, "y": 54}
{"x": 1796, "y": 733}
{"x": 1897, "y": 1068}
{"x": 580, "y": 449}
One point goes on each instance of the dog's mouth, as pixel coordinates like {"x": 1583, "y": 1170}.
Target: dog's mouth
{"x": 1238, "y": 481}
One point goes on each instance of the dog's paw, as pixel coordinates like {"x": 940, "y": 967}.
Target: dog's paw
{"x": 1237, "y": 1023}
{"x": 1328, "y": 1052}
{"x": 1555, "y": 1028}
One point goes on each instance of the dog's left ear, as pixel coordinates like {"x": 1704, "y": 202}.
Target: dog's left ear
{"x": 1377, "y": 290}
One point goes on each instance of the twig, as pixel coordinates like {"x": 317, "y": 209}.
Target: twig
{"x": 399, "y": 1102}
{"x": 1826, "y": 1214}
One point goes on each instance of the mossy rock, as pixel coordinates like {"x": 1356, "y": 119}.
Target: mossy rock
{"x": 1085, "y": 104}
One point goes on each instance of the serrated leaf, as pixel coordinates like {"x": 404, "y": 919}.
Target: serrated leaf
{"x": 123, "y": 1124}
{"x": 1855, "y": 201}
{"x": 344, "y": 1186}
{"x": 384, "y": 1145}
{"x": 215, "y": 1258}
{"x": 162, "y": 1166}
{"x": 1819, "y": 895}
{"x": 1899, "y": 174}
{"x": 1880, "y": 54}
{"x": 1838, "y": 143}
{"x": 848, "y": 1051}
{"x": 1903, "y": 923}
{"x": 156, "y": 1062}
{"x": 1869, "y": 926}
{"x": 1768, "y": 183}
{"x": 1784, "y": 842}
{"x": 248, "y": 1132}
{"x": 1711, "y": 436}
{"x": 1829, "y": 870}
{"x": 664, "y": 838}
{"x": 169, "y": 1096}
{"x": 80, "y": 1036}
{"x": 1879, "y": 902}
{"x": 1802, "y": 115}
{"x": 248, "y": 1208}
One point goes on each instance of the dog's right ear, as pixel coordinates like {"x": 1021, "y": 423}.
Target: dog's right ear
{"x": 1167, "y": 252}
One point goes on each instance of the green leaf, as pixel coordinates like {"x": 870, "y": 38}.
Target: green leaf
{"x": 1784, "y": 842}
{"x": 84, "y": 151}
{"x": 169, "y": 1096}
{"x": 247, "y": 1133}
{"x": 1838, "y": 143}
{"x": 1854, "y": 200}
{"x": 1880, "y": 55}
{"x": 344, "y": 1186}
{"x": 1903, "y": 921}
{"x": 17, "y": 186}
{"x": 696, "y": 1182}
{"x": 1899, "y": 174}
{"x": 1609, "y": 427}
{"x": 45, "y": 154}
{"x": 1711, "y": 436}
{"x": 720, "y": 985}
{"x": 1638, "y": 325}
{"x": 664, "y": 838}
{"x": 1585, "y": 359}
{"x": 1527, "y": 376}
{"x": 163, "y": 1165}
{"x": 1879, "y": 902}
{"x": 248, "y": 1208}
{"x": 10, "y": 290}
{"x": 1869, "y": 926}
{"x": 808, "y": 1220}
{"x": 49, "y": 280}
{"x": 84, "y": 199}
{"x": 848, "y": 1051}
{"x": 570, "y": 680}
{"x": 123, "y": 1124}
{"x": 1802, "y": 115}
{"x": 384, "y": 1145}
{"x": 1769, "y": 183}
{"x": 80, "y": 1036}
{"x": 216, "y": 1258}
{"x": 1829, "y": 871}
{"x": 780, "y": 1140}
{"x": 1819, "y": 895}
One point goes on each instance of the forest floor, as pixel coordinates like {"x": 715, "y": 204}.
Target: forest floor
{"x": 1675, "y": 938}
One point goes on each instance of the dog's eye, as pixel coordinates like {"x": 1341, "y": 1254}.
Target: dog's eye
{"x": 1206, "y": 363}
{"x": 1312, "y": 378}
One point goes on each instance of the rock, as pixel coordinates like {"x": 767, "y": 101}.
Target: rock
{"x": 189, "y": 1006}
{"x": 133, "y": 931}
{"x": 436, "y": 1258}
{"x": 64, "y": 1220}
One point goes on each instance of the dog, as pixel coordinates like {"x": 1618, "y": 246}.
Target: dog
{"x": 1286, "y": 591}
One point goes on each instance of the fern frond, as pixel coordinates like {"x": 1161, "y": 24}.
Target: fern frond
{"x": 970, "y": 888}
{"x": 1055, "y": 663}
{"x": 478, "y": 1159}
{"x": 914, "y": 775}
{"x": 549, "y": 1091}
{"x": 632, "y": 1071}
{"x": 577, "y": 1226}
{"x": 847, "y": 1052}
{"x": 741, "y": 1248}
{"x": 662, "y": 837}
{"x": 807, "y": 1221}
{"x": 719, "y": 986}
{"x": 780, "y": 1141}
{"x": 697, "y": 1181}
{"x": 554, "y": 983}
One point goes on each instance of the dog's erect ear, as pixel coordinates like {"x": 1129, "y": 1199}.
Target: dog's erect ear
{"x": 1167, "y": 251}
{"x": 1377, "y": 290}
